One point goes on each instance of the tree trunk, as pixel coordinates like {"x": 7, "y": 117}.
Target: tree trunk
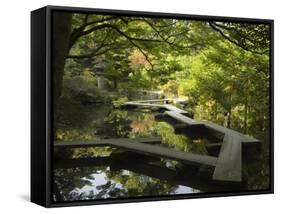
{"x": 246, "y": 115}
{"x": 61, "y": 35}
{"x": 114, "y": 83}
{"x": 229, "y": 119}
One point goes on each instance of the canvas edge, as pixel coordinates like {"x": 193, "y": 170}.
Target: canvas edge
{"x": 49, "y": 9}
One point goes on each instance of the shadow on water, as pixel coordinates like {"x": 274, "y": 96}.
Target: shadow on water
{"x": 105, "y": 172}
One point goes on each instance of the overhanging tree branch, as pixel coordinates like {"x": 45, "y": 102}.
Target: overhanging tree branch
{"x": 93, "y": 53}
{"x": 101, "y": 20}
{"x": 76, "y": 35}
{"x": 79, "y": 32}
{"x": 217, "y": 29}
{"x": 132, "y": 40}
{"x": 165, "y": 38}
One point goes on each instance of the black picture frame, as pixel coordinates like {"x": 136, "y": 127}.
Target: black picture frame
{"x": 42, "y": 110}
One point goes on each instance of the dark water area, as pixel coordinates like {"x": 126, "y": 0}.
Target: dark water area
{"x": 106, "y": 172}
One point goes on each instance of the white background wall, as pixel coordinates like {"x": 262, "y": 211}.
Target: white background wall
{"x": 15, "y": 105}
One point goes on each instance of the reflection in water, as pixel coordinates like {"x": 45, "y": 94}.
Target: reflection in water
{"x": 105, "y": 172}
{"x": 101, "y": 183}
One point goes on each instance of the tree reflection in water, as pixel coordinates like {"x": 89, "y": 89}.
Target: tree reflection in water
{"x": 86, "y": 183}
{"x": 96, "y": 182}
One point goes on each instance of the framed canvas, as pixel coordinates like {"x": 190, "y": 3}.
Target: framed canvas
{"x": 141, "y": 106}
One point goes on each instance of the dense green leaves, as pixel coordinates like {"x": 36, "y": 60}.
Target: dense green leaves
{"x": 222, "y": 69}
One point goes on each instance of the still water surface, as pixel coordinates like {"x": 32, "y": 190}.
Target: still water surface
{"x": 124, "y": 174}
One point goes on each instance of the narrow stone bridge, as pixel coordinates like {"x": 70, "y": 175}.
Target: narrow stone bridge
{"x": 227, "y": 166}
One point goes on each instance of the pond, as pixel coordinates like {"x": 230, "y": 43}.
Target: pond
{"x": 105, "y": 172}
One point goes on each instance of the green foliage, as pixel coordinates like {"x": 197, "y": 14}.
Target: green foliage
{"x": 171, "y": 88}
{"x": 219, "y": 68}
{"x": 179, "y": 142}
{"x": 119, "y": 102}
